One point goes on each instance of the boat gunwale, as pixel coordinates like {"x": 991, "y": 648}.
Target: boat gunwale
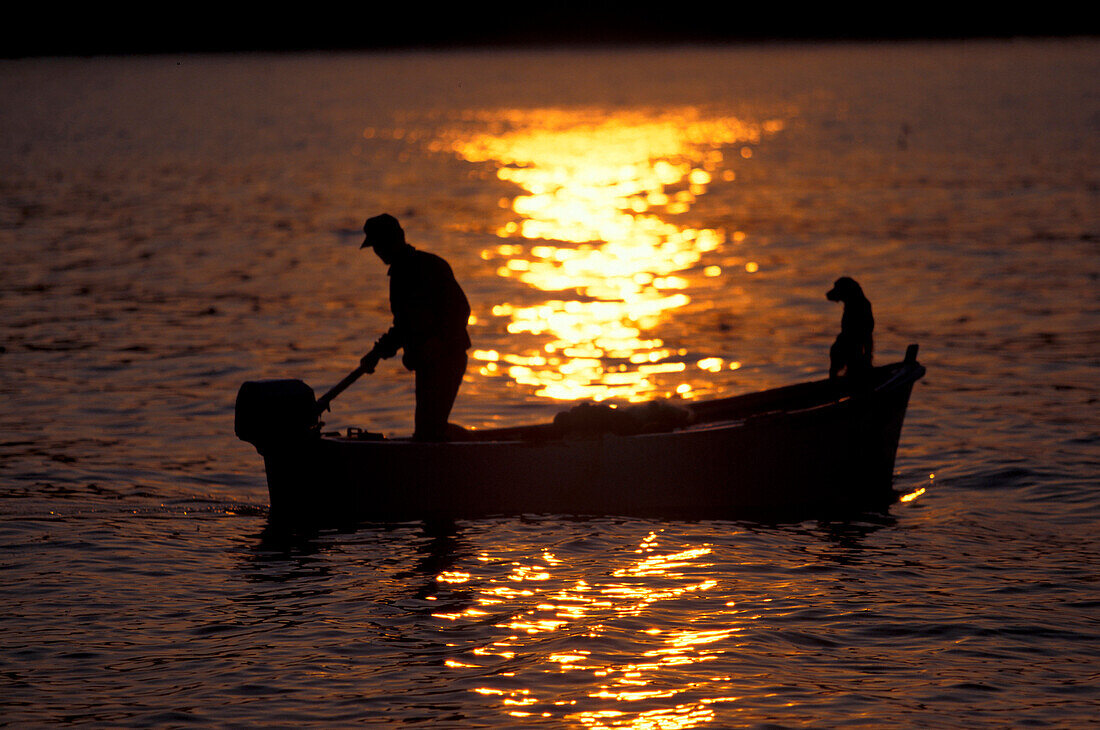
{"x": 895, "y": 375}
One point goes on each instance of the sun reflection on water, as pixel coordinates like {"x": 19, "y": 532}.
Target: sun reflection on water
{"x": 594, "y": 232}
{"x": 599, "y": 269}
{"x": 664, "y": 685}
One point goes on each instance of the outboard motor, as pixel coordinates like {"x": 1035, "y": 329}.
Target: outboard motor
{"x": 273, "y": 412}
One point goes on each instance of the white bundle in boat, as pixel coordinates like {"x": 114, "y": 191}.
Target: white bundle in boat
{"x": 648, "y": 417}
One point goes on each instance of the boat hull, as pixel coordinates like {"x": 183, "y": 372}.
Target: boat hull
{"x": 808, "y": 458}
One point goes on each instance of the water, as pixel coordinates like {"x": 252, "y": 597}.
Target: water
{"x": 172, "y": 226}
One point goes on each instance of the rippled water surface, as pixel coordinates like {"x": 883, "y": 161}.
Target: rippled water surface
{"x": 628, "y": 225}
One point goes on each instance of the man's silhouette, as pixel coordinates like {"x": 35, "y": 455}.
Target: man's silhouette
{"x": 854, "y": 347}
{"x": 430, "y": 313}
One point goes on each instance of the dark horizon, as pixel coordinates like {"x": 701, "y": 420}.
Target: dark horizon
{"x": 396, "y": 29}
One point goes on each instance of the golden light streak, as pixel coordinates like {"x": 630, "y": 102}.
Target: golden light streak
{"x": 643, "y": 690}
{"x": 594, "y": 230}
{"x": 912, "y": 495}
{"x": 679, "y": 717}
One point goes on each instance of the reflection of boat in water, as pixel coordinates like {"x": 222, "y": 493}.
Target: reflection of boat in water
{"x": 809, "y": 448}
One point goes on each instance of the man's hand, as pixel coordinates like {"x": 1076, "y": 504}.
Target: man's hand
{"x": 369, "y": 361}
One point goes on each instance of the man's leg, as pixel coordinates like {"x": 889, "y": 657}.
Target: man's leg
{"x": 437, "y": 386}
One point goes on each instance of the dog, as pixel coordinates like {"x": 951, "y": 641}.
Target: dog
{"x": 853, "y": 349}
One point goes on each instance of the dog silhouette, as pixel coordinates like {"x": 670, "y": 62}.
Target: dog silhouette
{"x": 853, "y": 349}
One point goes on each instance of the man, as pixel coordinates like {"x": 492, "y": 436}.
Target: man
{"x": 430, "y": 313}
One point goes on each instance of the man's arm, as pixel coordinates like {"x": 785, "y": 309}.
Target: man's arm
{"x": 386, "y": 347}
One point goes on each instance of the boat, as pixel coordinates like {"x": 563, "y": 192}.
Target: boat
{"x": 811, "y": 448}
